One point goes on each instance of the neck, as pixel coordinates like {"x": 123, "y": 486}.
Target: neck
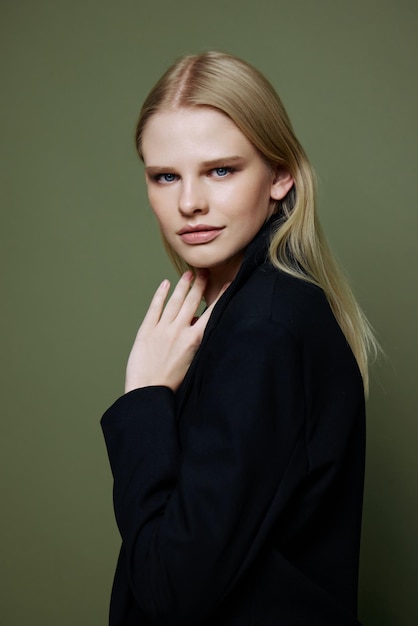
{"x": 218, "y": 277}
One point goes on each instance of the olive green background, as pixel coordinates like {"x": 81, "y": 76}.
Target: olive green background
{"x": 81, "y": 257}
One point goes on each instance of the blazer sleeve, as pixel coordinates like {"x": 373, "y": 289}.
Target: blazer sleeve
{"x": 193, "y": 518}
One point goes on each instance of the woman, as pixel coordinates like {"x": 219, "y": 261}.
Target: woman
{"x": 238, "y": 448}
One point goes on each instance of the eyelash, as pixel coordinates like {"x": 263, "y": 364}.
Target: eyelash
{"x": 229, "y": 170}
{"x": 159, "y": 178}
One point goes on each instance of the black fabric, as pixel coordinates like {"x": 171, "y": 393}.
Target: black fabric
{"x": 239, "y": 497}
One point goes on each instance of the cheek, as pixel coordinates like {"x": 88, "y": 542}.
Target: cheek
{"x": 163, "y": 222}
{"x": 252, "y": 204}
{"x": 152, "y": 198}
{"x": 257, "y": 190}
{"x": 159, "y": 206}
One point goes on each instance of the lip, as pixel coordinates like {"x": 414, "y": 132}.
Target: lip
{"x": 199, "y": 233}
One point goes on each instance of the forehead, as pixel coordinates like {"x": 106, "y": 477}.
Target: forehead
{"x": 200, "y": 132}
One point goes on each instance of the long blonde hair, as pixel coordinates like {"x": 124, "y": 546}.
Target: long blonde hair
{"x": 298, "y": 246}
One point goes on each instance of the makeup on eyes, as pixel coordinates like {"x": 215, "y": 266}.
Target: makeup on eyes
{"x": 228, "y": 164}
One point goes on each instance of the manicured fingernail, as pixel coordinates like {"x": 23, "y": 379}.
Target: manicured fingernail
{"x": 165, "y": 283}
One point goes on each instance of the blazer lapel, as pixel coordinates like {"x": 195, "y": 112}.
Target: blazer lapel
{"x": 255, "y": 255}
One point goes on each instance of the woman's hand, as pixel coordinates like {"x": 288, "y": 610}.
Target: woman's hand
{"x": 167, "y": 339}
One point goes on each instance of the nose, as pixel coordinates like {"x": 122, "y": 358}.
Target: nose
{"x": 192, "y": 199}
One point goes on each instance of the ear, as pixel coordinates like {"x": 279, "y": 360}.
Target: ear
{"x": 281, "y": 185}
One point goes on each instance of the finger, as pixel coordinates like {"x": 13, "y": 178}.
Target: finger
{"x": 177, "y": 298}
{"x": 153, "y": 315}
{"x": 193, "y": 299}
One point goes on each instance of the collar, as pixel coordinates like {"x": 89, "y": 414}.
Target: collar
{"x": 254, "y": 257}
{"x": 256, "y": 254}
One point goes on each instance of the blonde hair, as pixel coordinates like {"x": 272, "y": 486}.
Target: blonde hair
{"x": 298, "y": 246}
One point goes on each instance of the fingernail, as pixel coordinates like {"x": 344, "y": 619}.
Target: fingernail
{"x": 188, "y": 275}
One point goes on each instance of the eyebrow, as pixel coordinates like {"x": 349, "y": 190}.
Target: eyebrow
{"x": 229, "y": 160}
{"x": 226, "y": 159}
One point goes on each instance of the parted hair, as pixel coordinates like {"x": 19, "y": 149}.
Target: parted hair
{"x": 298, "y": 246}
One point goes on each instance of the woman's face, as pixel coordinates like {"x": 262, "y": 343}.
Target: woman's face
{"x": 208, "y": 186}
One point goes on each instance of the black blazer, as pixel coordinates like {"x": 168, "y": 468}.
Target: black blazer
{"x": 239, "y": 497}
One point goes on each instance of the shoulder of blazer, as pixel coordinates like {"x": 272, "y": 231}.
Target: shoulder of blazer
{"x": 272, "y": 294}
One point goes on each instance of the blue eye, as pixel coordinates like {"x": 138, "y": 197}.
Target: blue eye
{"x": 222, "y": 171}
{"x": 165, "y": 178}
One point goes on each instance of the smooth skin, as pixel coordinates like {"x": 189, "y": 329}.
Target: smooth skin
{"x": 211, "y": 192}
{"x": 167, "y": 339}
